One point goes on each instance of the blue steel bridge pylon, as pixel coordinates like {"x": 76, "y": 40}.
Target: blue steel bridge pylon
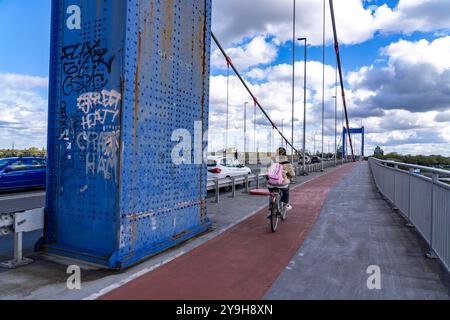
{"x": 125, "y": 76}
{"x": 347, "y": 133}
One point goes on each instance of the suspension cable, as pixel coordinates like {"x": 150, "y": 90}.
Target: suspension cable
{"x": 338, "y": 56}
{"x": 251, "y": 93}
{"x": 228, "y": 102}
{"x": 323, "y": 82}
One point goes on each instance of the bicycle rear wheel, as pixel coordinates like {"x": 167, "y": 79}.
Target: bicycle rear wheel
{"x": 274, "y": 215}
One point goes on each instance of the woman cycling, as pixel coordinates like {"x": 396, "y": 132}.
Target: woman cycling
{"x": 288, "y": 175}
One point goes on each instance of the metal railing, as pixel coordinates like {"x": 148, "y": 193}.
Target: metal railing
{"x": 260, "y": 179}
{"x": 18, "y": 223}
{"x": 423, "y": 200}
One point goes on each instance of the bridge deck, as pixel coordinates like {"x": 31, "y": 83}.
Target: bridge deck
{"x": 243, "y": 262}
{"x": 357, "y": 229}
{"x": 338, "y": 228}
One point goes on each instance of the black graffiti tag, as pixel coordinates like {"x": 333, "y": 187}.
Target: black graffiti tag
{"x": 85, "y": 67}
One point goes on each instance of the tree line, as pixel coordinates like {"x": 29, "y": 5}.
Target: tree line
{"x": 428, "y": 161}
{"x": 30, "y": 152}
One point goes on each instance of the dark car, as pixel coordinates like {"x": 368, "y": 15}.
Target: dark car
{"x": 315, "y": 160}
{"x": 21, "y": 173}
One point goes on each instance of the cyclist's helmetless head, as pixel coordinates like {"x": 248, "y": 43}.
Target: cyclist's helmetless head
{"x": 281, "y": 152}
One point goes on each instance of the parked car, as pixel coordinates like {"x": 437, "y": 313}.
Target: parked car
{"x": 307, "y": 160}
{"x": 226, "y": 167}
{"x": 21, "y": 173}
{"x": 315, "y": 159}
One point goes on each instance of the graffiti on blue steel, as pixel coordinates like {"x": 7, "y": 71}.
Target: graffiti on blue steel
{"x": 63, "y": 117}
{"x": 99, "y": 108}
{"x": 63, "y": 122}
{"x": 85, "y": 67}
{"x": 101, "y": 148}
{"x": 179, "y": 62}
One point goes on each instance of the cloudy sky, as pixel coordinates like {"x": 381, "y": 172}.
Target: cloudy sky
{"x": 395, "y": 53}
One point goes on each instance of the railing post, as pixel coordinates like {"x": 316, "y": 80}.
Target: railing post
{"x": 395, "y": 185}
{"x": 217, "y": 187}
{"x": 434, "y": 180}
{"x": 233, "y": 187}
{"x": 246, "y": 184}
{"x": 18, "y": 256}
{"x": 257, "y": 181}
{"x": 409, "y": 224}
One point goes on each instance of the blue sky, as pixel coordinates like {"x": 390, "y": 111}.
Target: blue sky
{"x": 380, "y": 39}
{"x": 25, "y": 36}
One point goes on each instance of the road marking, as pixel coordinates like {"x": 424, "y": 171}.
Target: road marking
{"x": 136, "y": 275}
{"x": 22, "y": 196}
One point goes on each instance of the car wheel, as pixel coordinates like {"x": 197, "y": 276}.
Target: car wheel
{"x": 227, "y": 189}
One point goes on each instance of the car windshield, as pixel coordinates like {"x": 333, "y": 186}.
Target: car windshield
{"x": 212, "y": 163}
{"x": 38, "y": 162}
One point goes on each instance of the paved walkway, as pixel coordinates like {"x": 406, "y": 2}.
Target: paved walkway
{"x": 358, "y": 229}
{"x": 241, "y": 263}
{"x": 45, "y": 279}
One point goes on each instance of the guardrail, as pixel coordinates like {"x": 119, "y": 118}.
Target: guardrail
{"x": 423, "y": 200}
{"x": 17, "y": 223}
{"x": 260, "y": 179}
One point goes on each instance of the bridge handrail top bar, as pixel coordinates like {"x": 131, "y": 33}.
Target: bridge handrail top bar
{"x": 414, "y": 166}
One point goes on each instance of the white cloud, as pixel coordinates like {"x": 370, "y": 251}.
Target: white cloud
{"x": 435, "y": 53}
{"x": 416, "y": 79}
{"x": 259, "y": 51}
{"x": 23, "y": 116}
{"x": 21, "y": 81}
{"x": 413, "y": 15}
{"x": 235, "y": 20}
{"x": 273, "y": 89}
{"x": 403, "y": 105}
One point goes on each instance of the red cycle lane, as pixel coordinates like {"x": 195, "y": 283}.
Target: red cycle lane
{"x": 243, "y": 262}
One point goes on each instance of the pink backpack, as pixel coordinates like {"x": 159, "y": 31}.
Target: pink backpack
{"x": 275, "y": 175}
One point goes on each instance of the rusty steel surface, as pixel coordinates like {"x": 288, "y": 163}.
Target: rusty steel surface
{"x": 125, "y": 76}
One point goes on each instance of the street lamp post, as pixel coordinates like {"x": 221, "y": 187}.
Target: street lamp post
{"x": 315, "y": 150}
{"x": 304, "y": 173}
{"x": 254, "y": 129}
{"x": 293, "y": 81}
{"x": 282, "y": 132}
{"x": 335, "y": 130}
{"x": 245, "y": 132}
{"x": 323, "y": 84}
{"x": 344, "y": 137}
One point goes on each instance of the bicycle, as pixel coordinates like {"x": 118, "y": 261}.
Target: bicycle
{"x": 277, "y": 209}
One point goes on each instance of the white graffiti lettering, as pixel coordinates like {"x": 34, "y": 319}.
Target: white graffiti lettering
{"x": 107, "y": 99}
{"x": 101, "y": 152}
{"x": 99, "y": 107}
{"x": 101, "y": 148}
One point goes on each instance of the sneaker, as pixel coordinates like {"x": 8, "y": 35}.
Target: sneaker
{"x": 288, "y": 207}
